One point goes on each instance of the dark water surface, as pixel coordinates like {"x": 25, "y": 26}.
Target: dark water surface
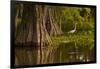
{"x": 64, "y": 53}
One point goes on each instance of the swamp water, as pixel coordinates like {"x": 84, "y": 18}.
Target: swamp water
{"x": 69, "y": 52}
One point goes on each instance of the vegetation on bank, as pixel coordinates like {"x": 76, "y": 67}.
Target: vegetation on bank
{"x": 55, "y": 33}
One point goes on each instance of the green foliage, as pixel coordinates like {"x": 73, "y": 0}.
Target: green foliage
{"x": 85, "y": 28}
{"x": 78, "y": 15}
{"x": 83, "y": 40}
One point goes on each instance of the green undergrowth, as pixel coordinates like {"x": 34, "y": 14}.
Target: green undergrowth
{"x": 83, "y": 40}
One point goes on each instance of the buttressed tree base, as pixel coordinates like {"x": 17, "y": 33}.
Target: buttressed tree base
{"x": 48, "y": 34}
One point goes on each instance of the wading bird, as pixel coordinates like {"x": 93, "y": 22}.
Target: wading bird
{"x": 73, "y": 31}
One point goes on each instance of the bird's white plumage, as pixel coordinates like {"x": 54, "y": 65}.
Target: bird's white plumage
{"x": 72, "y": 31}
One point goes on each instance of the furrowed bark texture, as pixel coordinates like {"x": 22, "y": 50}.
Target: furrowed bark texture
{"x": 33, "y": 44}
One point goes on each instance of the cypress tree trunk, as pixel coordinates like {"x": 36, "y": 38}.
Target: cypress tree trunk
{"x": 37, "y": 24}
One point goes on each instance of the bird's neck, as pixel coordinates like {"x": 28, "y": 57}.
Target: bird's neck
{"x": 75, "y": 27}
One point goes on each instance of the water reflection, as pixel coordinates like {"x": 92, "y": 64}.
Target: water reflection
{"x": 65, "y": 52}
{"x": 72, "y": 52}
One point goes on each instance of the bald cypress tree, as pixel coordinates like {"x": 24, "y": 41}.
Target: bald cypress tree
{"x": 33, "y": 29}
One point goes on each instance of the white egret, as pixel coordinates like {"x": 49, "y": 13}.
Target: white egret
{"x": 73, "y": 31}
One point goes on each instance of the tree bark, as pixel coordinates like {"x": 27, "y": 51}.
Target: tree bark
{"x": 32, "y": 31}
